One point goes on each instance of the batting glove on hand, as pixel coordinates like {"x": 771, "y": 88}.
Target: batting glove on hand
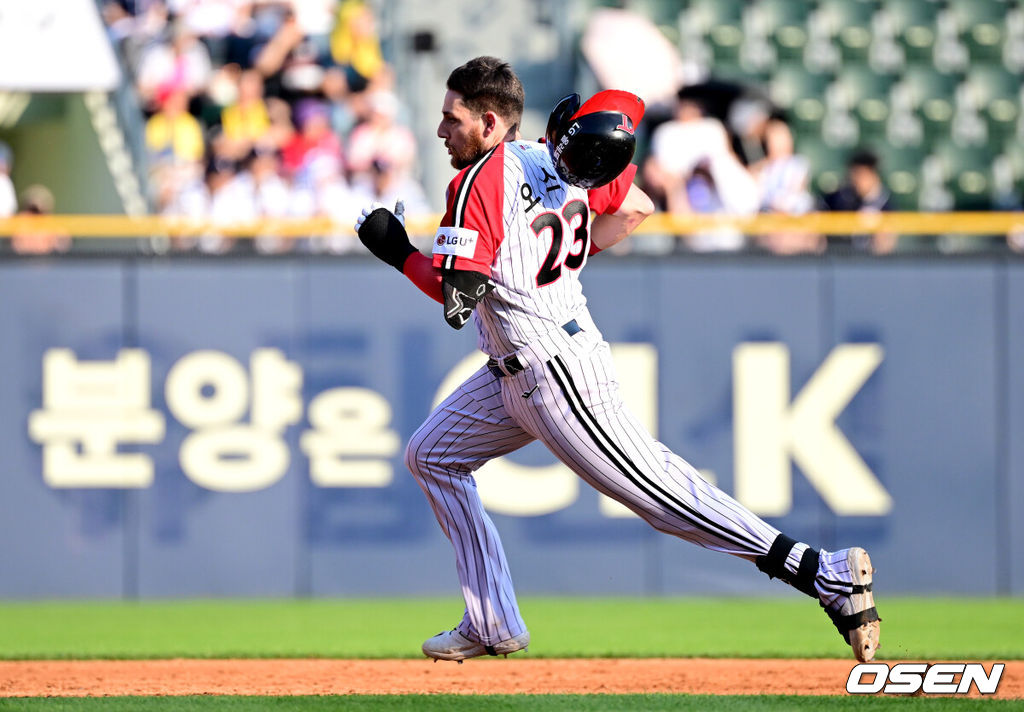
{"x": 383, "y": 233}
{"x": 398, "y": 212}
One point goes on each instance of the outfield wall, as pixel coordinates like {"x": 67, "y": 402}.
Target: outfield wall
{"x": 209, "y": 428}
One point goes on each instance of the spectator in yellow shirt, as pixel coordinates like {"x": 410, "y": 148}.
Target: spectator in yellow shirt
{"x": 247, "y": 121}
{"x": 355, "y": 44}
{"x": 172, "y": 134}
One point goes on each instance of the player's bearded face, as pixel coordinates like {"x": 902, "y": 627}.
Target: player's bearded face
{"x": 471, "y": 149}
{"x": 462, "y": 131}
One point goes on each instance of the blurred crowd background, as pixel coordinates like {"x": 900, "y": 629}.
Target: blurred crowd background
{"x": 267, "y": 109}
{"x": 255, "y": 109}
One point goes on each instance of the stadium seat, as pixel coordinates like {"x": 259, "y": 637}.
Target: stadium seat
{"x": 663, "y": 13}
{"x": 901, "y": 171}
{"x": 860, "y": 82}
{"x": 950, "y": 53}
{"x": 740, "y": 72}
{"x": 981, "y": 27}
{"x": 885, "y": 53}
{"x": 820, "y": 54}
{"x": 802, "y": 94}
{"x": 721, "y": 21}
{"x": 1012, "y": 159}
{"x": 866, "y": 94}
{"x": 931, "y": 95}
{"x": 1013, "y": 45}
{"x": 968, "y": 174}
{"x": 828, "y": 163}
{"x": 850, "y": 24}
{"x": 785, "y": 23}
{"x": 914, "y": 24}
{"x": 995, "y": 94}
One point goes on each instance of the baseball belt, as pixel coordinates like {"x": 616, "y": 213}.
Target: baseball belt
{"x": 510, "y": 365}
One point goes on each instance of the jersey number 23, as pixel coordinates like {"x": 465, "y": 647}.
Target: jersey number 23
{"x": 574, "y": 217}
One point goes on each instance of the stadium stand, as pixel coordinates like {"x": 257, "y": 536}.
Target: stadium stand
{"x": 933, "y": 86}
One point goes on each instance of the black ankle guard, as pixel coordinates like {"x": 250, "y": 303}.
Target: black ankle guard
{"x": 774, "y": 564}
{"x": 844, "y": 624}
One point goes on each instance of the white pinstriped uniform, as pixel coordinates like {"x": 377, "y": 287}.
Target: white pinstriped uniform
{"x": 566, "y": 396}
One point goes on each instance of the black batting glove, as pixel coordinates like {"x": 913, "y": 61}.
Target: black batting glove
{"x": 383, "y": 233}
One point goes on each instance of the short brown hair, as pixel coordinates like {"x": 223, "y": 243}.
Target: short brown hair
{"x": 489, "y": 84}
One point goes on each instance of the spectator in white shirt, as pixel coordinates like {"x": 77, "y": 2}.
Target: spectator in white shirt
{"x": 693, "y": 167}
{"x": 784, "y": 179}
{"x": 8, "y": 196}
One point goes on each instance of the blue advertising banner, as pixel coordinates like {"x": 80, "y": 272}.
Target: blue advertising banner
{"x": 1010, "y": 493}
{"x": 208, "y": 428}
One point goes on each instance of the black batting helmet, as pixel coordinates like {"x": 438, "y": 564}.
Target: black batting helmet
{"x": 592, "y": 144}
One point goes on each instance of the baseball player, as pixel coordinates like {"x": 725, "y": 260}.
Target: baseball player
{"x": 516, "y": 234}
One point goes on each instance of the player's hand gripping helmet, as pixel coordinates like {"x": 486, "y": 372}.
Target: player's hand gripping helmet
{"x": 592, "y": 144}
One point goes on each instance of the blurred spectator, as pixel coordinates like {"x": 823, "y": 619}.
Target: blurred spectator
{"x": 181, "y": 191}
{"x": 1015, "y": 240}
{"x": 281, "y": 130}
{"x": 381, "y": 138}
{"x": 313, "y": 140}
{"x": 182, "y": 65}
{"x": 290, "y": 63}
{"x": 269, "y": 56}
{"x": 386, "y": 183}
{"x": 132, "y": 28}
{"x": 210, "y": 19}
{"x": 229, "y": 203}
{"x": 748, "y": 119}
{"x": 321, "y": 192}
{"x": 783, "y": 178}
{"x": 252, "y": 28}
{"x": 317, "y": 18}
{"x": 271, "y": 195}
{"x": 172, "y": 134}
{"x": 339, "y": 101}
{"x": 8, "y": 198}
{"x": 692, "y": 168}
{"x": 863, "y": 191}
{"x": 38, "y": 200}
{"x": 120, "y": 23}
{"x": 246, "y": 121}
{"x": 355, "y": 44}
{"x": 269, "y": 93}
{"x": 221, "y": 92}
{"x": 303, "y": 71}
{"x": 743, "y": 109}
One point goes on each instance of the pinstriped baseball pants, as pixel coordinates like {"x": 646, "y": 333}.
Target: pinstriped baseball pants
{"x": 576, "y": 411}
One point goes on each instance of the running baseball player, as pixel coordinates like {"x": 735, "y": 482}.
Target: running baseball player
{"x": 508, "y": 254}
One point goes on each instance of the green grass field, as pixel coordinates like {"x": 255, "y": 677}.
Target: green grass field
{"x": 914, "y": 628}
{"x": 985, "y": 628}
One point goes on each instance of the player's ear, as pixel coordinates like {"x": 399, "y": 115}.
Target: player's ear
{"x": 490, "y": 120}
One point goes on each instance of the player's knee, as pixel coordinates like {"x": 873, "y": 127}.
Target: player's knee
{"x": 427, "y": 456}
{"x": 415, "y": 456}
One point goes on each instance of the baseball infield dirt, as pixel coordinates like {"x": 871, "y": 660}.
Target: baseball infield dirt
{"x": 512, "y": 676}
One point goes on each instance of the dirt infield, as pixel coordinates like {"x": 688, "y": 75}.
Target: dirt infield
{"x": 512, "y": 676}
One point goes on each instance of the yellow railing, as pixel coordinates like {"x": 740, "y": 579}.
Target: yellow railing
{"x": 902, "y": 223}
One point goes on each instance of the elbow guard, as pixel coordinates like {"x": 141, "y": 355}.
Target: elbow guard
{"x": 462, "y": 290}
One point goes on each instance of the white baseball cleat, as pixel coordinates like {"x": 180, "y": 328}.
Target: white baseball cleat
{"x": 845, "y": 590}
{"x": 453, "y": 645}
